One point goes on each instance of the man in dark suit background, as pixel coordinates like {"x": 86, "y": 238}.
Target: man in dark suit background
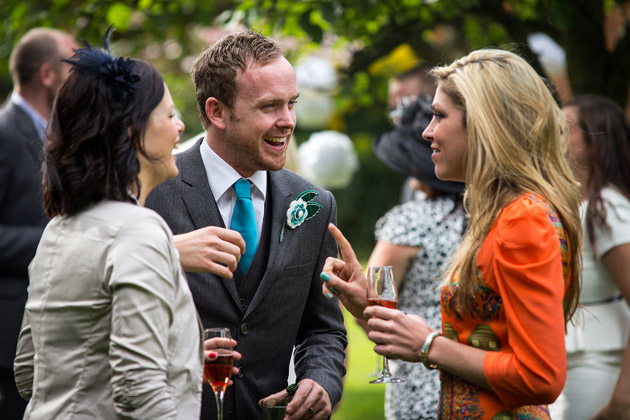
{"x": 37, "y": 73}
{"x": 246, "y": 93}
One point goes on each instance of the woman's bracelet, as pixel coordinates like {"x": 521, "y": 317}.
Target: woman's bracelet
{"x": 425, "y": 350}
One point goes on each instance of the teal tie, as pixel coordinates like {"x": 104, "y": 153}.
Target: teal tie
{"x": 244, "y": 221}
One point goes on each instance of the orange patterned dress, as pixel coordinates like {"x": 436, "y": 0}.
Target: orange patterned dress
{"x": 518, "y": 317}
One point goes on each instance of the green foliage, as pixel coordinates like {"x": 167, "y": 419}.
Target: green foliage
{"x": 170, "y": 33}
{"x": 361, "y": 400}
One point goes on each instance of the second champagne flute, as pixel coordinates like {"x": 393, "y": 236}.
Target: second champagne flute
{"x": 381, "y": 291}
{"x": 217, "y": 372}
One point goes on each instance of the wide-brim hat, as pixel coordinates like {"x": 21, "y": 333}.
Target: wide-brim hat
{"x": 405, "y": 151}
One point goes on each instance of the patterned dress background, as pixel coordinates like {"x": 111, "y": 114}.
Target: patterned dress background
{"x": 436, "y": 227}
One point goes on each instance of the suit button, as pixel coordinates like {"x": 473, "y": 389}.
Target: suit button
{"x": 243, "y": 303}
{"x": 230, "y": 416}
{"x": 244, "y": 328}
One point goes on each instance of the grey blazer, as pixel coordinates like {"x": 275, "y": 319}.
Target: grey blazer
{"x": 22, "y": 219}
{"x": 287, "y": 309}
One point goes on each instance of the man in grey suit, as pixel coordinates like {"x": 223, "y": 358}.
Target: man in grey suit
{"x": 246, "y": 93}
{"x": 37, "y": 73}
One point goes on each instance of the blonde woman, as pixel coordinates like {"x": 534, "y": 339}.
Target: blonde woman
{"x": 514, "y": 282}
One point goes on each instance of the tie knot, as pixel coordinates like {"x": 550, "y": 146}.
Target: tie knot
{"x": 241, "y": 188}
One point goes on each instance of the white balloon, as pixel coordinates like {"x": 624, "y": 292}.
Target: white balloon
{"x": 328, "y": 159}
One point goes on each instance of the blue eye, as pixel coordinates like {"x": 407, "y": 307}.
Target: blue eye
{"x": 438, "y": 115}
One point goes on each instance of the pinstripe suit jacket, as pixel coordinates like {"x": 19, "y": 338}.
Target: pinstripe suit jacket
{"x": 287, "y": 309}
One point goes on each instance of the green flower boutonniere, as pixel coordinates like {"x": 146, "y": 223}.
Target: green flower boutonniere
{"x": 301, "y": 209}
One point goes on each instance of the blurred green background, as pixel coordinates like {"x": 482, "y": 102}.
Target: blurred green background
{"x": 366, "y": 41}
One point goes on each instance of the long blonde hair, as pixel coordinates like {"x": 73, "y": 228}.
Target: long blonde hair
{"x": 515, "y": 145}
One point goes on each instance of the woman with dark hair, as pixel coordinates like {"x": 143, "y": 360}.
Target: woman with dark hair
{"x": 110, "y": 329}
{"x": 598, "y": 346}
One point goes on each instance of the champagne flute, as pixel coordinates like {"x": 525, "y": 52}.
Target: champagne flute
{"x": 217, "y": 372}
{"x": 381, "y": 291}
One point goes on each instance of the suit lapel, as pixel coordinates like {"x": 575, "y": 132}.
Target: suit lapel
{"x": 26, "y": 129}
{"x": 281, "y": 198}
{"x": 199, "y": 200}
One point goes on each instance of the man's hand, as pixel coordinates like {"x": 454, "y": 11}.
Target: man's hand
{"x": 311, "y": 401}
{"x": 211, "y": 249}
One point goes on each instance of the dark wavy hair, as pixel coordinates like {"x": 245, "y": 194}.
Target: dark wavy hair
{"x": 606, "y": 133}
{"x": 95, "y": 134}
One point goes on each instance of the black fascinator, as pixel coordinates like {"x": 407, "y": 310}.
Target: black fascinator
{"x": 404, "y": 150}
{"x": 100, "y": 62}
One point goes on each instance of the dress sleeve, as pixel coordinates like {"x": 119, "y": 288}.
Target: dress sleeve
{"x": 142, "y": 284}
{"x": 528, "y": 268}
{"x": 405, "y": 224}
{"x": 618, "y": 220}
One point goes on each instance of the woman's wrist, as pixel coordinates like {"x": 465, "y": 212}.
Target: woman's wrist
{"x": 426, "y": 347}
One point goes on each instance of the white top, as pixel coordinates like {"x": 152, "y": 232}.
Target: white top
{"x": 110, "y": 328}
{"x": 221, "y": 181}
{"x": 603, "y": 325}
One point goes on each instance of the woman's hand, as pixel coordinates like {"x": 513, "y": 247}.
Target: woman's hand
{"x": 209, "y": 353}
{"x": 396, "y": 334}
{"x": 344, "y": 277}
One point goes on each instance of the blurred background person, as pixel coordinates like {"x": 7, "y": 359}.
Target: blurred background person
{"x": 598, "y": 353}
{"x": 110, "y": 329}
{"x": 37, "y": 73}
{"x": 402, "y": 92}
{"x": 416, "y": 237}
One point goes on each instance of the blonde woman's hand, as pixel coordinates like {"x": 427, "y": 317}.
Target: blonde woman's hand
{"x": 344, "y": 276}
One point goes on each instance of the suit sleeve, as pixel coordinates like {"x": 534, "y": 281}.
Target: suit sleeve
{"x": 320, "y": 351}
{"x": 528, "y": 269}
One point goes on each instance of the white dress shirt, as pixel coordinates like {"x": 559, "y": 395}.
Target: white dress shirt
{"x": 221, "y": 181}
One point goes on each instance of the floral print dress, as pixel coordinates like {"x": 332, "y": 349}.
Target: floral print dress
{"x": 436, "y": 227}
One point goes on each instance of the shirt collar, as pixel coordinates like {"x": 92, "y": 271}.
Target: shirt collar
{"x": 221, "y": 176}
{"x": 39, "y": 121}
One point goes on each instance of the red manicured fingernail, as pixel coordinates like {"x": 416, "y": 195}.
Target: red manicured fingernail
{"x": 212, "y": 354}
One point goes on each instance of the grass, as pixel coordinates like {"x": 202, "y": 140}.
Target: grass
{"x": 361, "y": 400}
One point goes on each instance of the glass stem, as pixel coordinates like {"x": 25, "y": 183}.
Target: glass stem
{"x": 218, "y": 396}
{"x": 386, "y": 371}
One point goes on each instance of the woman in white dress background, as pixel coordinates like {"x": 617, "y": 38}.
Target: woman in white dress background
{"x": 598, "y": 349}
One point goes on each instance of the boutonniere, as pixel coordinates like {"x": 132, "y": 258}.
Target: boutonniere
{"x": 301, "y": 209}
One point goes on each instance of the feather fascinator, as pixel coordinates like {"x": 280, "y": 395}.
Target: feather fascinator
{"x": 100, "y": 63}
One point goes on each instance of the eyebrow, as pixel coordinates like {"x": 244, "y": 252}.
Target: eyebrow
{"x": 276, "y": 99}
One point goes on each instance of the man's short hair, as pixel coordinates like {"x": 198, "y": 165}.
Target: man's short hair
{"x": 36, "y": 47}
{"x": 215, "y": 71}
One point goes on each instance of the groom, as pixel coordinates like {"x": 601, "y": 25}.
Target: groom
{"x": 246, "y": 94}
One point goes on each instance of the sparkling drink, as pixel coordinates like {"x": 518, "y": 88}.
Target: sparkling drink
{"x": 381, "y": 291}
{"x": 391, "y": 304}
{"x": 217, "y": 372}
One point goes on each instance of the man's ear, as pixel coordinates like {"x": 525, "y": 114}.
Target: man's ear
{"x": 47, "y": 74}
{"x": 216, "y": 111}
